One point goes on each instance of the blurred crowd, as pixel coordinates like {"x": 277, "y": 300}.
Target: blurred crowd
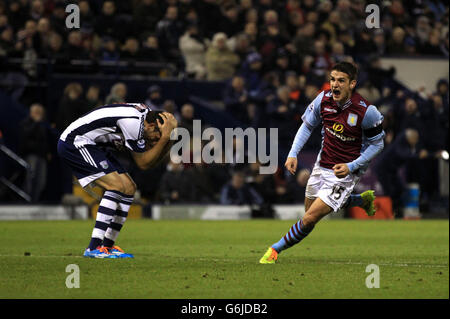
{"x": 273, "y": 58}
{"x": 212, "y": 39}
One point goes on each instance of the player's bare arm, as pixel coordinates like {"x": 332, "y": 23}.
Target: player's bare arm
{"x": 151, "y": 157}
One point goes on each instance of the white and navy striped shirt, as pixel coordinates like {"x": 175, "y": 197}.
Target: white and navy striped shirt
{"x": 123, "y": 123}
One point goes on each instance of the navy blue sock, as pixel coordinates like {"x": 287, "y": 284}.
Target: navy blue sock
{"x": 105, "y": 214}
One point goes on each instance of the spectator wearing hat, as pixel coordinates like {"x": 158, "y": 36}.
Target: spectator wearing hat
{"x": 154, "y": 98}
{"x": 252, "y": 72}
{"x": 221, "y": 62}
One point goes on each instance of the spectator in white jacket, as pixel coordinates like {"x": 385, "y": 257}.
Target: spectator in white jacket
{"x": 193, "y": 48}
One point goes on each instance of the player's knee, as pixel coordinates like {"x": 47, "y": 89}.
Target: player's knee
{"x": 114, "y": 185}
{"x": 129, "y": 188}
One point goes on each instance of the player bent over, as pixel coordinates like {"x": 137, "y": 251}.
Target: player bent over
{"x": 131, "y": 126}
{"x": 352, "y": 136}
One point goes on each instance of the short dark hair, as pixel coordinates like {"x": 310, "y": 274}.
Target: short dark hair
{"x": 152, "y": 116}
{"x": 348, "y": 68}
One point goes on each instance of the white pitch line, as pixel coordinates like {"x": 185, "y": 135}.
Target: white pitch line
{"x": 41, "y": 256}
{"x": 318, "y": 262}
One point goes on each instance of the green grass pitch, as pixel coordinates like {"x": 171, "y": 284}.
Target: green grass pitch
{"x": 219, "y": 259}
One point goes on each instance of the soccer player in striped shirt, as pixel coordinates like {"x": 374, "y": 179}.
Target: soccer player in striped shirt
{"x": 352, "y": 135}
{"x": 132, "y": 126}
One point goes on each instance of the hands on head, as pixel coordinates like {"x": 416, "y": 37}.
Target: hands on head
{"x": 160, "y": 129}
{"x": 167, "y": 125}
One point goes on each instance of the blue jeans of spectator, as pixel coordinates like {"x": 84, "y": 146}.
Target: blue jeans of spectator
{"x": 36, "y": 177}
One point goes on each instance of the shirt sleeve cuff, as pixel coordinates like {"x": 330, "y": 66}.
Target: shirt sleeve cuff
{"x": 351, "y": 166}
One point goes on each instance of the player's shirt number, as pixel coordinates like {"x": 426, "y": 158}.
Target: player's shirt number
{"x": 336, "y": 191}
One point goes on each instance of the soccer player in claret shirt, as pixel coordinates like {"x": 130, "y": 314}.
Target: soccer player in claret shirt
{"x": 130, "y": 126}
{"x": 352, "y": 135}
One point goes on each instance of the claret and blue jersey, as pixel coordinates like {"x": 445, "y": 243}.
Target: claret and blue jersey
{"x": 352, "y": 133}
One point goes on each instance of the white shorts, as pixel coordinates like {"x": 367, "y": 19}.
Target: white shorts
{"x": 332, "y": 190}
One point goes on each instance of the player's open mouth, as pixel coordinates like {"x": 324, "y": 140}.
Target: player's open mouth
{"x": 336, "y": 92}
